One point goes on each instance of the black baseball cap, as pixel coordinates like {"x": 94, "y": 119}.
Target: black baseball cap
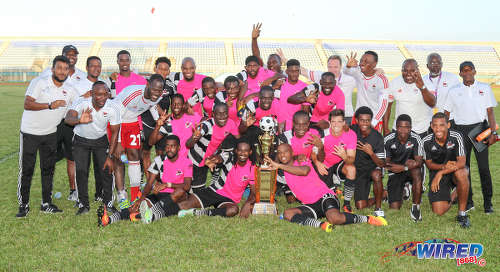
{"x": 68, "y": 48}
{"x": 467, "y": 63}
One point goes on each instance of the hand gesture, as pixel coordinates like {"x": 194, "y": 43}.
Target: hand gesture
{"x": 418, "y": 79}
{"x": 312, "y": 98}
{"x": 114, "y": 76}
{"x": 280, "y": 53}
{"x": 211, "y": 162}
{"x": 256, "y": 30}
{"x": 351, "y": 60}
{"x": 302, "y": 158}
{"x": 340, "y": 151}
{"x": 272, "y": 164}
{"x": 322, "y": 169}
{"x": 163, "y": 117}
{"x": 367, "y": 148}
{"x": 250, "y": 119}
{"x": 278, "y": 83}
{"x": 315, "y": 140}
{"x": 196, "y": 132}
{"x": 86, "y": 116}
{"x": 57, "y": 104}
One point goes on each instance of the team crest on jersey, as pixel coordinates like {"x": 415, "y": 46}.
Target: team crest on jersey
{"x": 481, "y": 92}
{"x": 178, "y": 173}
{"x": 400, "y": 91}
{"x": 226, "y": 133}
{"x": 393, "y": 146}
{"x": 330, "y": 103}
{"x": 391, "y": 96}
{"x": 244, "y": 178}
{"x": 374, "y": 86}
{"x": 64, "y": 92}
{"x": 433, "y": 148}
{"x": 450, "y": 145}
{"x": 409, "y": 145}
{"x": 188, "y": 124}
{"x": 445, "y": 84}
{"x": 105, "y": 114}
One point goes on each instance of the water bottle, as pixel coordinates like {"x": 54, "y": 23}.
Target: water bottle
{"x": 57, "y": 195}
{"x": 124, "y": 158}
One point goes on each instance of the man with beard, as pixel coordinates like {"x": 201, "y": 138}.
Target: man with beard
{"x": 368, "y": 83}
{"x": 169, "y": 181}
{"x": 133, "y": 100}
{"x": 232, "y": 95}
{"x": 273, "y": 61}
{"x": 45, "y": 104}
{"x": 439, "y": 82}
{"x": 75, "y": 75}
{"x": 345, "y": 82}
{"x": 205, "y": 141}
{"x": 412, "y": 96}
{"x": 256, "y": 76}
{"x": 91, "y": 116}
{"x": 125, "y": 77}
{"x": 330, "y": 97}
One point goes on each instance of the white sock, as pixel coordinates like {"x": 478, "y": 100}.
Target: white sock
{"x": 134, "y": 173}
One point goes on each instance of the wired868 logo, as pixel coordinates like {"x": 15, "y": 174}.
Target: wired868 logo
{"x": 462, "y": 253}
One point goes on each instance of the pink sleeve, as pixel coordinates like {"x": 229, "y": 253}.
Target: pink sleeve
{"x": 351, "y": 140}
{"x": 339, "y": 98}
{"x": 234, "y": 130}
{"x": 188, "y": 170}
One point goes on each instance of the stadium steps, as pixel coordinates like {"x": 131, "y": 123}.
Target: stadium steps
{"x": 94, "y": 51}
{"x": 321, "y": 53}
{"x": 404, "y": 51}
{"x": 4, "y": 47}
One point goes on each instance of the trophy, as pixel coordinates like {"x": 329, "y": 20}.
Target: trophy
{"x": 265, "y": 178}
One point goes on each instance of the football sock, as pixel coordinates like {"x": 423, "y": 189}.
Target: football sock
{"x": 351, "y": 218}
{"x": 134, "y": 174}
{"x": 210, "y": 212}
{"x": 348, "y": 191}
{"x": 306, "y": 221}
{"x": 158, "y": 211}
{"x": 462, "y": 213}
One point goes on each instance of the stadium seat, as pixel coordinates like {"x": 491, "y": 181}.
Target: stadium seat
{"x": 208, "y": 55}
{"x": 143, "y": 54}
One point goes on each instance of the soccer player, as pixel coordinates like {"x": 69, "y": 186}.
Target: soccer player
{"x": 91, "y": 116}
{"x": 412, "y": 96}
{"x": 330, "y": 97}
{"x": 190, "y": 80}
{"x": 340, "y": 153}
{"x": 45, "y": 104}
{"x": 404, "y": 156}
{"x": 203, "y": 99}
{"x": 439, "y": 82}
{"x": 345, "y": 82}
{"x": 162, "y": 67}
{"x": 291, "y": 86}
{"x": 445, "y": 158}
{"x": 370, "y": 155}
{"x": 472, "y": 104}
{"x": 256, "y": 76}
{"x": 177, "y": 123}
{"x": 273, "y": 61}
{"x": 234, "y": 90}
{"x": 225, "y": 200}
{"x": 134, "y": 100}
{"x": 317, "y": 199}
{"x": 368, "y": 82}
{"x": 205, "y": 141}
{"x": 125, "y": 77}
{"x": 169, "y": 180}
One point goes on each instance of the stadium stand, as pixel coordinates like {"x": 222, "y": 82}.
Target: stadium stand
{"x": 208, "y": 55}
{"x": 143, "y": 54}
{"x": 304, "y": 52}
{"x": 484, "y": 57}
{"x": 390, "y": 57}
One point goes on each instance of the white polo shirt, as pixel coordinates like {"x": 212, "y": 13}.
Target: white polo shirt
{"x": 133, "y": 103}
{"x": 98, "y": 127}
{"x": 440, "y": 86}
{"x": 76, "y": 77}
{"x": 369, "y": 88}
{"x": 85, "y": 85}
{"x": 345, "y": 82}
{"x": 409, "y": 100}
{"x": 43, "y": 90}
{"x": 469, "y": 104}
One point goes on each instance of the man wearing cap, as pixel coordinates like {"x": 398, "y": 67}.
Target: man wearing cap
{"x": 472, "y": 104}
{"x": 75, "y": 74}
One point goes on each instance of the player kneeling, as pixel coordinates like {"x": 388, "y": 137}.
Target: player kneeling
{"x": 173, "y": 175}
{"x": 318, "y": 200}
{"x": 225, "y": 200}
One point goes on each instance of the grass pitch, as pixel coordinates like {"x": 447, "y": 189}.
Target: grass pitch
{"x": 64, "y": 242}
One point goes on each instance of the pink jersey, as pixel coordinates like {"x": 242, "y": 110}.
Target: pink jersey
{"x": 233, "y": 112}
{"x": 300, "y": 145}
{"x": 187, "y": 88}
{"x": 123, "y": 82}
{"x": 208, "y": 105}
{"x": 254, "y": 83}
{"x": 175, "y": 172}
{"x": 326, "y": 103}
{"x": 218, "y": 135}
{"x": 133, "y": 103}
{"x": 308, "y": 189}
{"x": 273, "y": 111}
{"x": 286, "y": 109}
{"x": 238, "y": 178}
{"x": 183, "y": 128}
{"x": 346, "y": 139}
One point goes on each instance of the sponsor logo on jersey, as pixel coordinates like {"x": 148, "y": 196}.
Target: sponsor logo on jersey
{"x": 409, "y": 145}
{"x": 450, "y": 145}
{"x": 178, "y": 173}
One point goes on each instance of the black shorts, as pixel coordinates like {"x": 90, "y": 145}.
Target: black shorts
{"x": 396, "y": 184}
{"x": 209, "y": 198}
{"x": 319, "y": 208}
{"x": 64, "y": 141}
{"x": 160, "y": 145}
{"x": 445, "y": 186}
{"x": 334, "y": 176}
{"x": 154, "y": 198}
{"x": 363, "y": 183}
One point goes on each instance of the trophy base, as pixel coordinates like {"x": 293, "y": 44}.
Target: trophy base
{"x": 264, "y": 208}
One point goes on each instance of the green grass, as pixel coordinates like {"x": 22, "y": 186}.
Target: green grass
{"x": 64, "y": 242}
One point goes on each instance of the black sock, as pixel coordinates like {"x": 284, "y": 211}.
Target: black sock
{"x": 218, "y": 211}
{"x": 351, "y": 218}
{"x": 348, "y": 190}
{"x": 306, "y": 221}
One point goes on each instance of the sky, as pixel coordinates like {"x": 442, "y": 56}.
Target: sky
{"x": 458, "y": 20}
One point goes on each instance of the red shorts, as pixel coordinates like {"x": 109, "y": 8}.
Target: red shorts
{"x": 130, "y": 135}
